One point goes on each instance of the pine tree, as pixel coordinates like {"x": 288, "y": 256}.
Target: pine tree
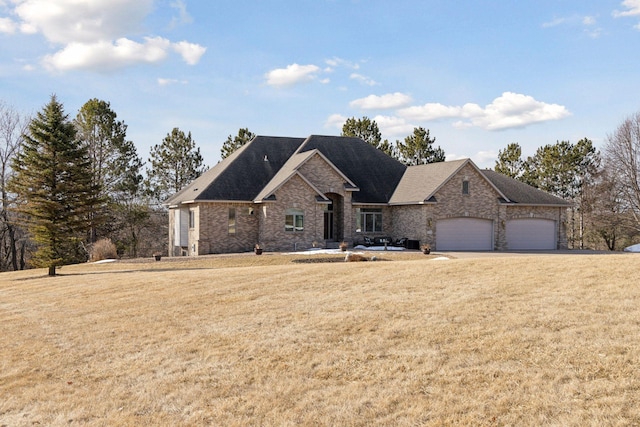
{"x": 174, "y": 163}
{"x": 389, "y": 148}
{"x": 510, "y": 161}
{"x": 233, "y": 143}
{"x": 365, "y": 129}
{"x": 53, "y": 186}
{"x": 418, "y": 149}
{"x": 115, "y": 165}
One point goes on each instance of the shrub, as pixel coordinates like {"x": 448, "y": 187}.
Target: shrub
{"x": 103, "y": 249}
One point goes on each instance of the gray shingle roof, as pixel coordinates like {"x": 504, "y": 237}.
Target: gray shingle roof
{"x": 520, "y": 193}
{"x": 420, "y": 182}
{"x": 375, "y": 173}
{"x": 259, "y": 167}
{"x": 283, "y": 175}
{"x": 243, "y": 174}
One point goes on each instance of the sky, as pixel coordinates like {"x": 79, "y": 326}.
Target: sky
{"x": 478, "y": 74}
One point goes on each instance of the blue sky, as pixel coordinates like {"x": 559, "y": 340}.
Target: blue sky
{"x": 478, "y": 74}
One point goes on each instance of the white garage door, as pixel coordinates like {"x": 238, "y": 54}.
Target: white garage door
{"x": 464, "y": 234}
{"x": 531, "y": 233}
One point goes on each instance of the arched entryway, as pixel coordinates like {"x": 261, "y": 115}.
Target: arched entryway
{"x": 334, "y": 218}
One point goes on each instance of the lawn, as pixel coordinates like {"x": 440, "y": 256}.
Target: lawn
{"x": 249, "y": 340}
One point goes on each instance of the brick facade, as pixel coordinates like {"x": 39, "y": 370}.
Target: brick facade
{"x": 264, "y": 223}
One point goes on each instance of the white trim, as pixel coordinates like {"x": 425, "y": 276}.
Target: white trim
{"x": 369, "y": 204}
{"x": 284, "y": 181}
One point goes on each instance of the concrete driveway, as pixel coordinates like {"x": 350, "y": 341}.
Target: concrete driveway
{"x": 494, "y": 254}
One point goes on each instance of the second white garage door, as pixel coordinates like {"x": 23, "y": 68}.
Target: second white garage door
{"x": 531, "y": 233}
{"x": 464, "y": 234}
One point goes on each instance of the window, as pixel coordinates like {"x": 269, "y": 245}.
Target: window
{"x": 232, "y": 220}
{"x": 192, "y": 219}
{"x": 369, "y": 220}
{"x": 465, "y": 187}
{"x": 294, "y": 220}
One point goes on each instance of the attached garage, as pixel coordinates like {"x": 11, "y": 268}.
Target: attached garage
{"x": 531, "y": 234}
{"x": 464, "y": 234}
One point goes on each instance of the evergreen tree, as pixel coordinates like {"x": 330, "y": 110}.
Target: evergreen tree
{"x": 565, "y": 170}
{"x": 53, "y": 184}
{"x": 174, "y": 163}
{"x": 115, "y": 165}
{"x": 389, "y": 148}
{"x": 233, "y": 143}
{"x": 365, "y": 129}
{"x": 418, "y": 149}
{"x": 510, "y": 161}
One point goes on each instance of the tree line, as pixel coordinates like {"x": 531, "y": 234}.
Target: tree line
{"x": 68, "y": 184}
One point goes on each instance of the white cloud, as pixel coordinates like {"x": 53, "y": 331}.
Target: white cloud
{"x": 95, "y": 34}
{"x": 291, "y": 75}
{"x": 335, "y": 121}
{"x": 183, "y": 15}
{"x": 339, "y": 62}
{"x": 190, "y": 52}
{"x": 72, "y": 21}
{"x": 387, "y": 101}
{"x": 485, "y": 158}
{"x": 633, "y": 9}
{"x": 8, "y": 26}
{"x": 554, "y": 22}
{"x": 167, "y": 82}
{"x": 393, "y": 127}
{"x": 436, "y": 111}
{"x": 588, "y": 22}
{"x": 510, "y": 110}
{"x": 107, "y": 55}
{"x": 363, "y": 79}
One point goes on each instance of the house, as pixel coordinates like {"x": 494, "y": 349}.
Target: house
{"x": 288, "y": 193}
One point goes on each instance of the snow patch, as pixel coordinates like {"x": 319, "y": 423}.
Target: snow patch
{"x": 379, "y": 248}
{"x": 633, "y": 248}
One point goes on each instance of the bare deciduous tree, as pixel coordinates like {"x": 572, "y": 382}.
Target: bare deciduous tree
{"x": 622, "y": 158}
{"x": 12, "y": 126}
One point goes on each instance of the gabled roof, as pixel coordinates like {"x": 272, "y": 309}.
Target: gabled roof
{"x": 291, "y": 168}
{"x": 420, "y": 183}
{"x": 255, "y": 171}
{"x": 517, "y": 192}
{"x": 371, "y": 170}
{"x": 242, "y": 175}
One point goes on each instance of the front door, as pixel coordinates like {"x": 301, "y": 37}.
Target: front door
{"x": 328, "y": 222}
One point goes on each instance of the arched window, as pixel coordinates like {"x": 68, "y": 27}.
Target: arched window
{"x": 294, "y": 220}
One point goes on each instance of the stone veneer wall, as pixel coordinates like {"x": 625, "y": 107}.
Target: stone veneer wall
{"x": 410, "y": 221}
{"x": 210, "y": 233}
{"x": 213, "y": 228}
{"x": 295, "y": 193}
{"x": 481, "y": 202}
{"x": 327, "y": 180}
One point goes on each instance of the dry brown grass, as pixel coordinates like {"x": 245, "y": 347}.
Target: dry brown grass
{"x": 247, "y": 340}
